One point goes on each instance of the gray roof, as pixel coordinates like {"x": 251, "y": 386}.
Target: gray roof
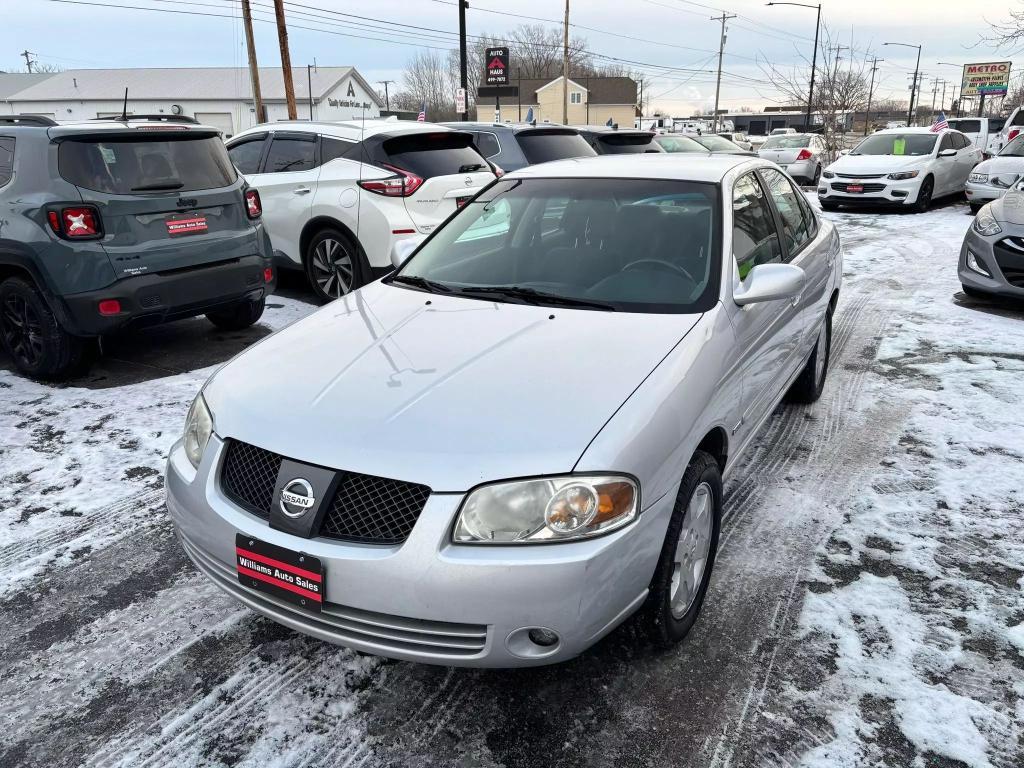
{"x": 12, "y": 82}
{"x": 601, "y": 90}
{"x": 214, "y": 83}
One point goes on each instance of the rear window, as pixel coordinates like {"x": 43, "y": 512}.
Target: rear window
{"x": 122, "y": 166}
{"x": 434, "y": 154}
{"x": 635, "y": 143}
{"x": 544, "y": 146}
{"x": 995, "y": 124}
{"x": 966, "y": 126}
{"x": 1018, "y": 118}
{"x": 786, "y": 142}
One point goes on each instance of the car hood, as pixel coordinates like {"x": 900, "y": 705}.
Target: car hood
{"x": 1009, "y": 209}
{"x": 440, "y": 390}
{"x": 1010, "y": 167}
{"x": 881, "y": 164}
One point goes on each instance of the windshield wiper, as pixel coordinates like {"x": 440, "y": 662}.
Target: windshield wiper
{"x": 158, "y": 186}
{"x": 533, "y": 296}
{"x": 422, "y": 283}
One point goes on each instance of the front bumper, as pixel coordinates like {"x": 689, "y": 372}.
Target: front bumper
{"x": 428, "y": 600}
{"x": 878, "y": 192}
{"x": 998, "y": 284}
{"x": 804, "y": 169}
{"x": 151, "y": 299}
{"x": 978, "y": 194}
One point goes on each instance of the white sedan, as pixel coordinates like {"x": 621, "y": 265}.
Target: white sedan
{"x": 990, "y": 180}
{"x": 902, "y": 167}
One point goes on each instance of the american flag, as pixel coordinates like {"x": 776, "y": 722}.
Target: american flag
{"x": 422, "y": 117}
{"x": 940, "y": 123}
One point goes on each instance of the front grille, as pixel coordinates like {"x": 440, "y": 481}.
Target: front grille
{"x": 860, "y": 175}
{"x": 1009, "y": 253}
{"x": 249, "y": 477}
{"x": 840, "y": 186}
{"x": 368, "y": 509}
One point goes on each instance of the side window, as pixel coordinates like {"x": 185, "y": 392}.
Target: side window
{"x": 332, "y": 149}
{"x": 488, "y": 144}
{"x": 795, "y": 227}
{"x": 755, "y": 239}
{"x": 6, "y": 160}
{"x": 289, "y": 154}
{"x": 964, "y": 141}
{"x": 946, "y": 143}
{"x": 246, "y": 155}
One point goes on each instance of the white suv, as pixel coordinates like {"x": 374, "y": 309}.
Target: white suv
{"x": 338, "y": 196}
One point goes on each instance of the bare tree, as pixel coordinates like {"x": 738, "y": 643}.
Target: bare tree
{"x": 1008, "y": 33}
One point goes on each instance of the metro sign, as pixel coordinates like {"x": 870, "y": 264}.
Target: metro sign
{"x": 497, "y": 66}
{"x": 986, "y": 79}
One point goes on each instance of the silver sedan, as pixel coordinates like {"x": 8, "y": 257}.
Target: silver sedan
{"x": 801, "y": 154}
{"x": 517, "y": 440}
{"x": 992, "y": 254}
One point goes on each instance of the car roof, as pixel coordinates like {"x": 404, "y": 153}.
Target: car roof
{"x": 353, "y": 130}
{"x": 482, "y": 125}
{"x": 682, "y": 166}
{"x": 611, "y": 130}
{"x": 915, "y": 129}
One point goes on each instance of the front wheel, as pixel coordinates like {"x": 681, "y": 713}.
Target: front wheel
{"x": 684, "y": 569}
{"x": 238, "y": 316}
{"x": 975, "y": 208}
{"x": 924, "y": 195}
{"x": 811, "y": 381}
{"x": 825, "y": 206}
{"x": 31, "y": 335}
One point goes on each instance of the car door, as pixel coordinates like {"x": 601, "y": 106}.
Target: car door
{"x": 967, "y": 156}
{"x": 767, "y": 333}
{"x": 945, "y": 167}
{"x": 287, "y": 183}
{"x": 807, "y": 246}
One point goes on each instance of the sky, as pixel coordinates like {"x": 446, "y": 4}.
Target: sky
{"x": 675, "y": 41}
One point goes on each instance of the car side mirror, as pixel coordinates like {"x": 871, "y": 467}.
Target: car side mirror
{"x": 947, "y": 153}
{"x": 402, "y": 250}
{"x": 770, "y": 282}
{"x": 843, "y": 152}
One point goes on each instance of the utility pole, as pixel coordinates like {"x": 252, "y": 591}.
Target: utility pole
{"x": 286, "y": 59}
{"x": 28, "y": 60}
{"x": 913, "y": 93}
{"x": 935, "y": 93}
{"x": 942, "y": 106}
{"x": 565, "y": 68}
{"x": 309, "y": 86}
{"x": 463, "y": 5}
{"x": 871, "y": 91}
{"x": 254, "y": 70}
{"x": 387, "y": 98}
{"x": 721, "y": 51}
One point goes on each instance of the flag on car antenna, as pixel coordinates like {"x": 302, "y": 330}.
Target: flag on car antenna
{"x": 422, "y": 117}
{"x": 940, "y": 123}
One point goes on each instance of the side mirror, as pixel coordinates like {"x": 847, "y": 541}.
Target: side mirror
{"x": 402, "y": 250}
{"x": 947, "y": 153}
{"x": 770, "y": 282}
{"x": 843, "y": 152}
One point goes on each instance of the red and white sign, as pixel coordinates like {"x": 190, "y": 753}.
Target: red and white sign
{"x": 190, "y": 226}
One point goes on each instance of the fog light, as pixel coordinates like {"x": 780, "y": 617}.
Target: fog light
{"x": 110, "y": 307}
{"x": 975, "y": 265}
{"x": 545, "y": 638}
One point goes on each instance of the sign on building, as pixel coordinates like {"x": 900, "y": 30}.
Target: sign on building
{"x": 496, "y": 66}
{"x": 991, "y": 79}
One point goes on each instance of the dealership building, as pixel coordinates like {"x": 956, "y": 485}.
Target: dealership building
{"x": 219, "y": 96}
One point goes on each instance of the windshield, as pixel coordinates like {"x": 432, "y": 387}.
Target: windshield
{"x": 123, "y": 165}
{"x": 718, "y": 144}
{"x": 680, "y": 144}
{"x": 632, "y": 245}
{"x": 912, "y": 144}
{"x": 786, "y": 142}
{"x": 542, "y": 146}
{"x": 1014, "y": 149}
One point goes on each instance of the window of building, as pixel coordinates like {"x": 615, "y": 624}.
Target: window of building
{"x": 576, "y": 97}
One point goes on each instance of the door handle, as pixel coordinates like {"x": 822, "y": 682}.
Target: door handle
{"x": 301, "y": 191}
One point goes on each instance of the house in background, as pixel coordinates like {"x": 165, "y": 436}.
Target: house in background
{"x": 592, "y": 101}
{"x": 218, "y": 96}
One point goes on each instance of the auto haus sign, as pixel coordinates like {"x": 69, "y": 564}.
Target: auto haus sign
{"x": 991, "y": 79}
{"x": 497, "y": 66}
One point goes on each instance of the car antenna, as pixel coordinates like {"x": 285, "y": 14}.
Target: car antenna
{"x": 124, "y": 109}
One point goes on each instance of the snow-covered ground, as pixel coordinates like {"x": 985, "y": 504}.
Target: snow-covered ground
{"x": 867, "y": 608}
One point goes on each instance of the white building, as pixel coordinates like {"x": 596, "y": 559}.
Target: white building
{"x": 219, "y": 96}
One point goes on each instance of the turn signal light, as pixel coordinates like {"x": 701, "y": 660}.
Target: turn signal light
{"x": 253, "y": 204}
{"x": 80, "y": 222}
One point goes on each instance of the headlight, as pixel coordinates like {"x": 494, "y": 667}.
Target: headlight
{"x": 198, "y": 428}
{"x": 902, "y": 175}
{"x": 828, "y": 174}
{"x": 978, "y": 178}
{"x": 547, "y": 509}
{"x": 985, "y": 223}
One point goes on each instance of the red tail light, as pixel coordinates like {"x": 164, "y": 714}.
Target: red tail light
{"x": 268, "y": 275}
{"x": 1013, "y": 133}
{"x": 80, "y": 222}
{"x": 110, "y": 307}
{"x": 253, "y": 204}
{"x": 402, "y": 185}
{"x": 805, "y": 154}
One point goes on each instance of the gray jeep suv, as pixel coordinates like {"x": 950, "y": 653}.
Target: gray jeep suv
{"x": 114, "y": 224}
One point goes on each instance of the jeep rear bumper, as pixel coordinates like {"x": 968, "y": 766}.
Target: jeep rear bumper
{"x": 161, "y": 297}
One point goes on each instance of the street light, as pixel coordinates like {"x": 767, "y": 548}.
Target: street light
{"x": 814, "y": 57}
{"x": 913, "y": 89}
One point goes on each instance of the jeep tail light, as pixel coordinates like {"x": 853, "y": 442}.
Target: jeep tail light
{"x": 253, "y": 204}
{"x": 78, "y": 222}
{"x": 54, "y": 219}
{"x": 805, "y": 154}
{"x": 401, "y": 185}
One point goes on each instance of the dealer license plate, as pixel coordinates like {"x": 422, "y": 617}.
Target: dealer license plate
{"x": 855, "y": 188}
{"x": 283, "y": 573}
{"x": 186, "y": 225}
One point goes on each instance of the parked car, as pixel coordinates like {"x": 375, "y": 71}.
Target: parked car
{"x": 782, "y": 131}
{"x": 990, "y": 179}
{"x": 616, "y": 141}
{"x": 109, "y": 225}
{"x": 1012, "y": 128}
{"x": 739, "y": 139}
{"x": 903, "y": 167}
{"x": 720, "y": 145}
{"x": 992, "y": 254}
{"x": 337, "y": 196}
{"x": 375, "y": 507}
{"x": 511, "y": 146}
{"x": 801, "y": 154}
{"x": 983, "y": 132}
{"x": 678, "y": 142}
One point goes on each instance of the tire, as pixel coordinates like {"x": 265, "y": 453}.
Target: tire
{"x": 828, "y": 206}
{"x": 809, "y": 384}
{"x": 31, "y": 335}
{"x": 924, "y": 195}
{"x": 974, "y": 209}
{"x": 237, "y": 316}
{"x": 672, "y": 608}
{"x": 334, "y": 265}
{"x": 817, "y": 176}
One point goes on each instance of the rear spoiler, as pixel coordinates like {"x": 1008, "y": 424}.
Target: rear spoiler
{"x": 148, "y": 119}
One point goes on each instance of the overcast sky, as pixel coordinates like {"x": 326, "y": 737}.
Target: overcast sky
{"x": 673, "y": 34}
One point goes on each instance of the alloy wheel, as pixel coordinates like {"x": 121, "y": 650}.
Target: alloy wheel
{"x": 22, "y": 330}
{"x": 332, "y": 268}
{"x": 692, "y": 551}
{"x": 821, "y": 354}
